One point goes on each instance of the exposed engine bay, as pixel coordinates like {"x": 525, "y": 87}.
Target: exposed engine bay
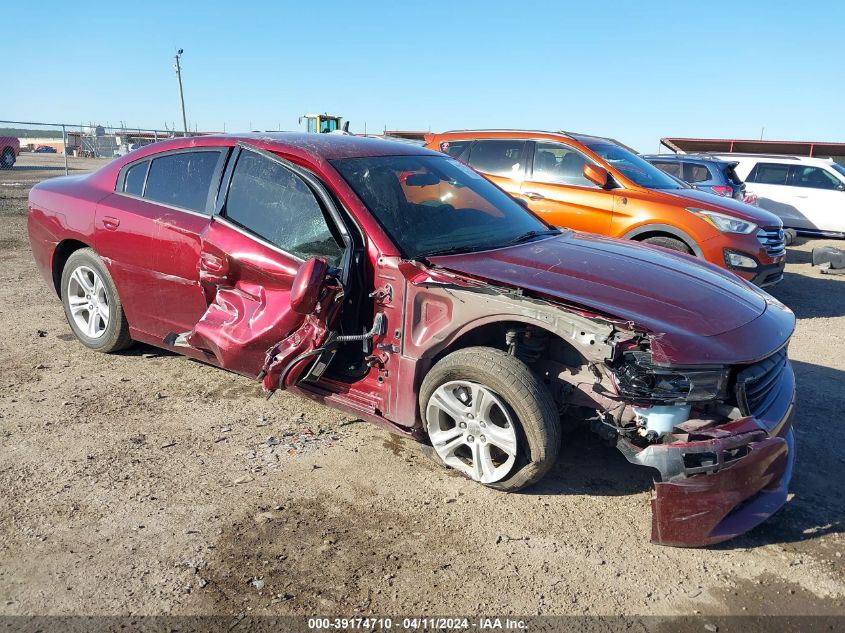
{"x": 630, "y": 397}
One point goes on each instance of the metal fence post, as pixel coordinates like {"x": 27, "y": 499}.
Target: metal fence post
{"x": 64, "y": 147}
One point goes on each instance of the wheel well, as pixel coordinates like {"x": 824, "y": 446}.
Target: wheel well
{"x": 63, "y": 251}
{"x": 544, "y": 352}
{"x": 496, "y": 335}
{"x": 644, "y": 236}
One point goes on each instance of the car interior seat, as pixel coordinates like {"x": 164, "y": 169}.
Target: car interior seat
{"x": 545, "y": 162}
{"x": 571, "y": 167}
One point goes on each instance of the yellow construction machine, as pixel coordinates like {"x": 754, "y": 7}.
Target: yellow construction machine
{"x": 324, "y": 123}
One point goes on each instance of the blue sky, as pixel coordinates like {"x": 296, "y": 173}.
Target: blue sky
{"x": 632, "y": 70}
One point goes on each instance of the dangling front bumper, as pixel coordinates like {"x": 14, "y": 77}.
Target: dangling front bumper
{"x": 727, "y": 479}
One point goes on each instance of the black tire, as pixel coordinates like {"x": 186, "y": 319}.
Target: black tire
{"x": 115, "y": 335}
{"x": 532, "y": 408}
{"x": 669, "y": 242}
{"x": 789, "y": 236}
{"x": 7, "y": 159}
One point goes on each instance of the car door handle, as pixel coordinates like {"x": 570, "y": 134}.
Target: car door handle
{"x": 111, "y": 223}
{"x": 533, "y": 195}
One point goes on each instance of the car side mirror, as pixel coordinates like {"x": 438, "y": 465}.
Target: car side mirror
{"x": 596, "y": 174}
{"x": 524, "y": 203}
{"x": 305, "y": 290}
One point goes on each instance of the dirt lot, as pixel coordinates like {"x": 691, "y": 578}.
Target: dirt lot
{"x": 146, "y": 483}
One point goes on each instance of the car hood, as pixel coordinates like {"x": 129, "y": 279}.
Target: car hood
{"x": 657, "y": 289}
{"x": 728, "y": 206}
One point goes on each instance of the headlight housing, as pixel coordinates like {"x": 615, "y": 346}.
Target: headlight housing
{"x": 638, "y": 379}
{"x": 724, "y": 223}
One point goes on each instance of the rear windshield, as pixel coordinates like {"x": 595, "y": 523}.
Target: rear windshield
{"x": 636, "y": 169}
{"x": 730, "y": 174}
{"x": 839, "y": 168}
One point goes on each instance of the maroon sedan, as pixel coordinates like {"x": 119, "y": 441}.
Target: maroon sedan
{"x": 399, "y": 285}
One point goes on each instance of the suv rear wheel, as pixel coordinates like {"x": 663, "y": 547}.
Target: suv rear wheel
{"x": 488, "y": 417}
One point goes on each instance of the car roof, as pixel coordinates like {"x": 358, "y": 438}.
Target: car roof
{"x": 525, "y": 134}
{"x": 309, "y": 147}
{"x": 679, "y": 157}
{"x": 789, "y": 158}
{"x": 504, "y": 130}
{"x": 329, "y": 146}
{"x": 317, "y": 147}
{"x": 692, "y": 158}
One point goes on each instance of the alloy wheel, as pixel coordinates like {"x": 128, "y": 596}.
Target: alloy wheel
{"x": 472, "y": 430}
{"x": 88, "y": 302}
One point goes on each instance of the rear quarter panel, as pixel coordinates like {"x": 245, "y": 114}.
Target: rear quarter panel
{"x": 60, "y": 209}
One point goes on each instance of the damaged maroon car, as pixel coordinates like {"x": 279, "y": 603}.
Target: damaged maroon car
{"x": 399, "y": 285}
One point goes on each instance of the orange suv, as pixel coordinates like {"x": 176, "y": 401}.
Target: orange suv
{"x": 594, "y": 184}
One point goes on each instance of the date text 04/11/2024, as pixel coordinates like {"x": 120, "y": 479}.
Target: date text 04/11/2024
{"x": 412, "y": 624}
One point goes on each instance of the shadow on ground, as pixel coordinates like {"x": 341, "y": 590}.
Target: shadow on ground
{"x": 808, "y": 295}
{"x": 146, "y": 351}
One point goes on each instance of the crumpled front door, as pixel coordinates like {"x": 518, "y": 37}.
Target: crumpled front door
{"x": 249, "y": 326}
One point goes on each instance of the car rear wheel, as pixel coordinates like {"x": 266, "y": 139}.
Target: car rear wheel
{"x": 488, "y": 417}
{"x": 668, "y": 242}
{"x": 92, "y": 305}
{"x": 7, "y": 160}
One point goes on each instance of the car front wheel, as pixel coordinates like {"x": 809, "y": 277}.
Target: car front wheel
{"x": 669, "y": 242}
{"x": 92, "y": 305}
{"x": 488, "y": 417}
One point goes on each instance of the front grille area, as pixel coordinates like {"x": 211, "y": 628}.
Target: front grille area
{"x": 772, "y": 240}
{"x": 757, "y": 384}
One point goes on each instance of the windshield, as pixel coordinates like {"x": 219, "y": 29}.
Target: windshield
{"x": 435, "y": 205}
{"x": 636, "y": 169}
{"x": 839, "y": 168}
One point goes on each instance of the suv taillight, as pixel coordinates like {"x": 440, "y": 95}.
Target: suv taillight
{"x": 723, "y": 190}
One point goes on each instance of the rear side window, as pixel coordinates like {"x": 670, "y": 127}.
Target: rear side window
{"x": 813, "y": 178}
{"x": 133, "y": 183}
{"x": 769, "y": 174}
{"x": 182, "y": 180}
{"x": 276, "y": 204}
{"x": 454, "y": 148}
{"x": 673, "y": 169}
{"x": 694, "y": 173}
{"x": 497, "y": 157}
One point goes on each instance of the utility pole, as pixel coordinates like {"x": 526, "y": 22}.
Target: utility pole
{"x": 178, "y": 68}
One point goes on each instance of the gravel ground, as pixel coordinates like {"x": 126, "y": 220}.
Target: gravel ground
{"x": 147, "y": 483}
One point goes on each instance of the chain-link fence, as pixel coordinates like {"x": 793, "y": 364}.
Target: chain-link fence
{"x": 71, "y": 142}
